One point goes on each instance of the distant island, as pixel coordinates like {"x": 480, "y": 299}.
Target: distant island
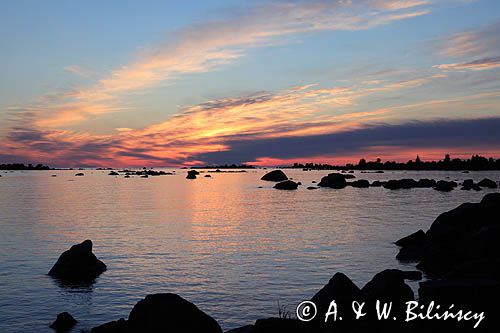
{"x": 21, "y": 166}
{"x": 225, "y": 166}
{"x": 475, "y": 163}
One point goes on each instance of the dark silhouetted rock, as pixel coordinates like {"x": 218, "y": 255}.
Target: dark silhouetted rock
{"x": 78, "y": 264}
{"x": 388, "y": 285}
{"x": 275, "y": 176}
{"x": 415, "y": 239}
{"x": 377, "y": 183}
{"x": 144, "y": 176}
{"x": 314, "y": 182}
{"x": 79, "y": 174}
{"x": 162, "y": 313}
{"x": 426, "y": 183}
{"x": 469, "y": 184}
{"x": 466, "y": 235}
{"x": 63, "y": 323}
{"x": 113, "y": 173}
{"x": 412, "y": 275}
{"x": 191, "y": 174}
{"x": 127, "y": 176}
{"x": 349, "y": 176}
{"x": 362, "y": 183}
{"x": 286, "y": 185}
{"x": 208, "y": 176}
{"x": 341, "y": 289}
{"x": 445, "y": 186}
{"x": 487, "y": 183}
{"x": 397, "y": 184}
{"x": 312, "y": 188}
{"x": 243, "y": 329}
{"x": 411, "y": 247}
{"x": 117, "y": 326}
{"x": 333, "y": 180}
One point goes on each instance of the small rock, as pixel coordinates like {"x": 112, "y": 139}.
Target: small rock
{"x": 286, "y": 185}
{"x": 333, "y": 180}
{"x": 63, "y": 323}
{"x": 79, "y": 174}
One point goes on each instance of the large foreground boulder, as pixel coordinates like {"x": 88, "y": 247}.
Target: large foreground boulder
{"x": 333, "y": 180}
{"x": 275, "y": 176}
{"x": 463, "y": 241}
{"x": 163, "y": 313}
{"x": 78, "y": 264}
{"x": 341, "y": 289}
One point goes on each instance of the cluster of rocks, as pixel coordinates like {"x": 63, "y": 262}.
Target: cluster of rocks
{"x": 459, "y": 253}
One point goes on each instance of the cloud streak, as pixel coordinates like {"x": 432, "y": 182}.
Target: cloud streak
{"x": 206, "y": 47}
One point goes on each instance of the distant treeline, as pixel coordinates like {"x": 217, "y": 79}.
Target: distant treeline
{"x": 476, "y": 162}
{"x": 225, "y": 166}
{"x": 20, "y": 166}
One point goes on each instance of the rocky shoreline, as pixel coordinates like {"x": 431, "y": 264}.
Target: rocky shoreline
{"x": 458, "y": 255}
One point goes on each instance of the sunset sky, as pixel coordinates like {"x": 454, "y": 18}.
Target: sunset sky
{"x": 170, "y": 83}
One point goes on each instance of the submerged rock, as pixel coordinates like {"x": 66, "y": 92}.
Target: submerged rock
{"x": 333, "y": 180}
{"x": 163, "y": 313}
{"x": 208, "y": 176}
{"x": 78, "y": 264}
{"x": 79, "y": 174}
{"x": 275, "y": 176}
{"x": 286, "y": 185}
{"x": 63, "y": 323}
{"x": 113, "y": 173}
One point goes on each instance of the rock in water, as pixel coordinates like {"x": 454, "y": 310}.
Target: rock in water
{"x": 286, "y": 185}
{"x": 113, "y": 173}
{"x": 461, "y": 241}
{"x": 487, "y": 183}
{"x": 362, "y": 183}
{"x": 397, "y": 184}
{"x": 275, "y": 176}
{"x": 163, "y": 313}
{"x": 445, "y": 186}
{"x": 78, "y": 264}
{"x": 333, "y": 180}
{"x": 80, "y": 174}
{"x": 63, "y": 323}
{"x": 192, "y": 174}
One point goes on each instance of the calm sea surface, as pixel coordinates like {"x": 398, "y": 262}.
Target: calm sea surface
{"x": 233, "y": 249}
